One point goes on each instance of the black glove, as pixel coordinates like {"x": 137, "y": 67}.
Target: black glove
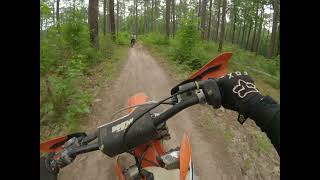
{"x": 46, "y": 171}
{"x": 238, "y": 92}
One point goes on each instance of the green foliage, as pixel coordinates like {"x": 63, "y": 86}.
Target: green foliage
{"x": 155, "y": 38}
{"x": 187, "y": 39}
{"x": 45, "y": 10}
{"x": 106, "y": 46}
{"x": 52, "y": 51}
{"x": 187, "y": 49}
{"x": 66, "y": 55}
{"x": 123, "y": 38}
{"x": 75, "y": 31}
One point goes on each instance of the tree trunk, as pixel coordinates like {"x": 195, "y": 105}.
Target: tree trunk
{"x": 121, "y": 14}
{"x": 145, "y": 16}
{"x": 117, "y": 16}
{"x": 58, "y": 14}
{"x": 234, "y": 21}
{"x": 104, "y": 17}
{"x": 136, "y": 17}
{"x": 233, "y": 30}
{"x": 218, "y": 21}
{"x": 262, "y": 36}
{"x": 53, "y": 14}
{"x": 170, "y": 24}
{"x": 209, "y": 26}
{"x": 173, "y": 17}
{"x": 184, "y": 9}
{"x": 226, "y": 31}
{"x": 74, "y": 5}
{"x": 93, "y": 12}
{"x": 203, "y": 18}
{"x": 41, "y": 23}
{"x": 278, "y": 41}
{"x": 238, "y": 34}
{"x": 267, "y": 39}
{"x": 275, "y": 4}
{"x": 124, "y": 13}
{"x": 243, "y": 32}
{"x": 108, "y": 16}
{"x": 168, "y": 18}
{"x": 224, "y": 6}
{"x": 256, "y": 49}
{"x": 155, "y": 11}
{"x": 248, "y": 37}
{"x": 152, "y": 16}
{"x": 255, "y": 27}
{"x": 111, "y": 16}
{"x": 199, "y": 13}
{"x": 261, "y": 41}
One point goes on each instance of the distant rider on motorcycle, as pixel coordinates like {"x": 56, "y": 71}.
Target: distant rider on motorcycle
{"x": 133, "y": 39}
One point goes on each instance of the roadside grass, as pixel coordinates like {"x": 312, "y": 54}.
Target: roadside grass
{"x": 90, "y": 84}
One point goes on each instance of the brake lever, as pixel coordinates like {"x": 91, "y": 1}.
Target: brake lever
{"x": 58, "y": 160}
{"x": 51, "y": 163}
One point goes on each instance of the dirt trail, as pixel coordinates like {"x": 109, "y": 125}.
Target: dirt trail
{"x": 142, "y": 73}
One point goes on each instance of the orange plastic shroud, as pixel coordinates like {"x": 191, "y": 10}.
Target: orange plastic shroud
{"x": 216, "y": 68}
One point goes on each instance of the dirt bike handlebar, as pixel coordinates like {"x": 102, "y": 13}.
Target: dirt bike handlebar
{"x": 189, "y": 94}
{"x": 175, "y": 109}
{"x": 141, "y": 126}
{"x": 83, "y": 149}
{"x": 198, "y": 97}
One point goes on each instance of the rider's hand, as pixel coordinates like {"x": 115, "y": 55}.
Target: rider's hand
{"x": 46, "y": 172}
{"x": 238, "y": 92}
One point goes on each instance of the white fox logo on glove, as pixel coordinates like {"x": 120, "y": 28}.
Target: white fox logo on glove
{"x": 243, "y": 88}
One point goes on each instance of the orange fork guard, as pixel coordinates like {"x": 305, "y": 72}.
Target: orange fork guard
{"x": 156, "y": 149}
{"x": 118, "y": 170}
{"x": 185, "y": 156}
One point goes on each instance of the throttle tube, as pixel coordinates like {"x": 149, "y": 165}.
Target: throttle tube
{"x": 210, "y": 88}
{"x": 89, "y": 138}
{"x": 191, "y": 86}
{"x": 84, "y": 149}
{"x": 175, "y": 109}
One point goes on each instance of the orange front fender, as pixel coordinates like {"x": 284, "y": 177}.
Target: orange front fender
{"x": 137, "y": 99}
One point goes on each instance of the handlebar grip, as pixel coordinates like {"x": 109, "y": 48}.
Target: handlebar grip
{"x": 175, "y": 109}
{"x": 210, "y": 89}
{"x": 212, "y": 92}
{"x": 84, "y": 149}
{"x": 191, "y": 86}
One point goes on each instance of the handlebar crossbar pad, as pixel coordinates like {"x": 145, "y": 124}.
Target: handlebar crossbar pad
{"x": 110, "y": 135}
